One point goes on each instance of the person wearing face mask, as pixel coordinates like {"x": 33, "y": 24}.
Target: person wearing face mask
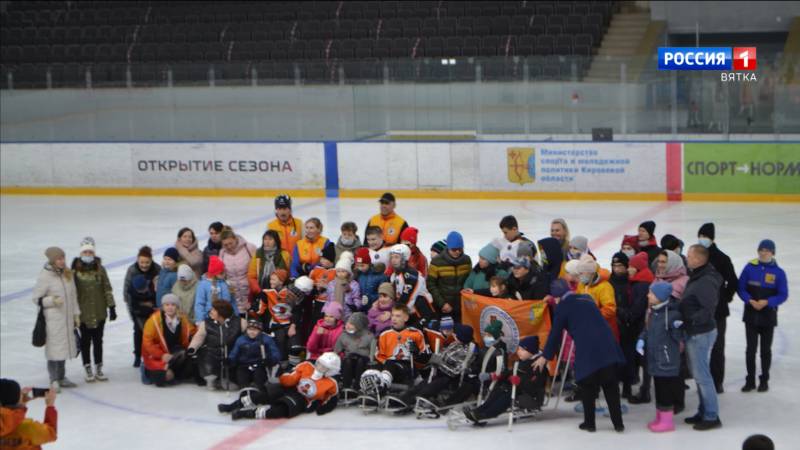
{"x": 55, "y": 293}
{"x": 310, "y": 387}
{"x": 722, "y": 263}
{"x": 186, "y": 290}
{"x": 145, "y": 267}
{"x": 631, "y": 318}
{"x": 630, "y": 245}
{"x": 591, "y": 283}
{"x": 762, "y": 287}
{"x": 647, "y": 240}
{"x": 356, "y": 346}
{"x": 326, "y": 331}
{"x": 348, "y": 241}
{"x": 578, "y": 246}
{"x": 267, "y": 259}
{"x": 95, "y": 297}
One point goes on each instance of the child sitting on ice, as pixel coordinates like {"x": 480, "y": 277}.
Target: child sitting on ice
{"x": 252, "y": 354}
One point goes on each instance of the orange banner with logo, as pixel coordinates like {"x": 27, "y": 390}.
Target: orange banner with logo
{"x": 520, "y": 318}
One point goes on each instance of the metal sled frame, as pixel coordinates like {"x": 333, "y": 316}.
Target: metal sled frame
{"x": 426, "y": 409}
{"x": 456, "y": 417}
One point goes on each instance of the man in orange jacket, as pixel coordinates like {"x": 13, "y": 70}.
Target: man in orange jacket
{"x": 17, "y": 432}
{"x": 391, "y": 224}
{"x": 289, "y": 228}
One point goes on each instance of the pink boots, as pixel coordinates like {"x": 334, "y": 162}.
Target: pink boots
{"x": 662, "y": 423}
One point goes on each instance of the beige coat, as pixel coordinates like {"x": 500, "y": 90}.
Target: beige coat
{"x": 192, "y": 256}
{"x": 60, "y": 319}
{"x": 186, "y": 296}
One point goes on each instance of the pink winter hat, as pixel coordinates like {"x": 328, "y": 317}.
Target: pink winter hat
{"x": 333, "y": 309}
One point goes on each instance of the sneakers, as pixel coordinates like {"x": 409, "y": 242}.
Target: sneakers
{"x": 763, "y": 385}
{"x": 663, "y": 422}
{"x": 704, "y": 425}
{"x": 89, "y": 377}
{"x": 98, "y": 373}
{"x": 66, "y": 383}
{"x": 749, "y": 385}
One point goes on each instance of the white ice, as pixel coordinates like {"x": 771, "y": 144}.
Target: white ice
{"x": 122, "y": 413}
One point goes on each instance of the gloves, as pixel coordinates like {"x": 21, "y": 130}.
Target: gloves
{"x": 112, "y": 313}
{"x": 484, "y": 377}
{"x": 58, "y": 301}
{"x": 496, "y": 376}
{"x": 677, "y": 324}
{"x": 640, "y": 347}
{"x": 514, "y": 379}
{"x": 364, "y": 300}
{"x": 191, "y": 352}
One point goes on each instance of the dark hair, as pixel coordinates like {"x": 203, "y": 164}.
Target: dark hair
{"x": 227, "y": 233}
{"x": 145, "y": 251}
{"x": 184, "y": 230}
{"x": 275, "y": 237}
{"x": 349, "y": 226}
{"x": 216, "y": 226}
{"x": 509, "y": 222}
{"x": 702, "y": 251}
{"x": 500, "y": 281}
{"x": 223, "y": 308}
{"x": 317, "y": 223}
{"x": 758, "y": 442}
{"x": 373, "y": 230}
{"x": 401, "y": 307}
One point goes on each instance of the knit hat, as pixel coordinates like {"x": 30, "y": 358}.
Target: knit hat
{"x": 139, "y": 282}
{"x": 571, "y": 267}
{"x": 587, "y": 264}
{"x": 662, "y": 290}
{"x": 490, "y": 253}
{"x": 495, "y": 328}
{"x": 304, "y": 284}
{"x": 708, "y": 230}
{"x": 359, "y": 320}
{"x": 455, "y": 240}
{"x": 333, "y": 309}
{"x": 670, "y": 242}
{"x": 282, "y": 275}
{"x": 87, "y": 244}
{"x": 215, "y": 266}
{"x": 559, "y": 287}
{"x": 439, "y": 246}
{"x": 329, "y": 253}
{"x": 521, "y": 262}
{"x": 53, "y": 253}
{"x": 767, "y": 244}
{"x": 9, "y": 392}
{"x": 345, "y": 262}
{"x": 530, "y": 343}
{"x": 464, "y": 333}
{"x": 632, "y": 240}
{"x": 388, "y": 289}
{"x": 649, "y": 226}
{"x": 362, "y": 256}
{"x": 409, "y": 234}
{"x": 172, "y": 252}
{"x": 620, "y": 258}
{"x": 526, "y": 249}
{"x": 252, "y": 323}
{"x": 446, "y": 323}
{"x": 580, "y": 242}
{"x": 185, "y": 272}
{"x": 639, "y": 261}
{"x": 170, "y": 299}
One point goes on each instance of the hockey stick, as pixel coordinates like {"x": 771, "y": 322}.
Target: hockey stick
{"x": 433, "y": 367}
{"x": 566, "y": 365}
{"x": 484, "y": 364}
{"x": 467, "y": 360}
{"x": 558, "y": 364}
{"x": 513, "y": 397}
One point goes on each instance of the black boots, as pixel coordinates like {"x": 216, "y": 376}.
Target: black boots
{"x": 642, "y": 397}
{"x": 763, "y": 385}
{"x": 749, "y": 385}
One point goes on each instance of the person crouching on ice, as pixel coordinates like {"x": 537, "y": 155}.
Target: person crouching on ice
{"x": 253, "y": 354}
{"x": 309, "y": 388}
{"x": 530, "y": 384}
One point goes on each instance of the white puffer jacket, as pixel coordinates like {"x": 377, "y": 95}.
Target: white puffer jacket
{"x": 60, "y": 319}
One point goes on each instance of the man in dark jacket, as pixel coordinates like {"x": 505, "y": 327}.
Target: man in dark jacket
{"x": 527, "y": 281}
{"x": 697, "y": 306}
{"x": 447, "y": 274}
{"x": 722, "y": 263}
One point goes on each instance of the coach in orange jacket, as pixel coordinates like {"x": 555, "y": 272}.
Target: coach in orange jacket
{"x": 17, "y": 432}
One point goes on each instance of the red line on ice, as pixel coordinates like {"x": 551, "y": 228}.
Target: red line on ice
{"x": 249, "y": 435}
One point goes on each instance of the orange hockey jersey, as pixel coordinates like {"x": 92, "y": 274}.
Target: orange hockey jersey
{"x": 320, "y": 390}
{"x": 276, "y": 306}
{"x": 392, "y": 344}
{"x": 321, "y": 273}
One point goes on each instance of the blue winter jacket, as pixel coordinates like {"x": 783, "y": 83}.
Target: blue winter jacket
{"x": 369, "y": 282}
{"x": 166, "y": 279}
{"x": 595, "y": 345}
{"x": 662, "y": 341}
{"x": 202, "y": 298}
{"x": 247, "y": 351}
{"x": 760, "y": 281}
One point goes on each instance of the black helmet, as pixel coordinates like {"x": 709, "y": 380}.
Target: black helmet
{"x": 283, "y": 201}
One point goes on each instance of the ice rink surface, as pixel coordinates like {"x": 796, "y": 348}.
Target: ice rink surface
{"x": 124, "y": 414}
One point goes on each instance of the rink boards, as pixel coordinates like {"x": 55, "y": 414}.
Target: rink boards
{"x": 478, "y": 169}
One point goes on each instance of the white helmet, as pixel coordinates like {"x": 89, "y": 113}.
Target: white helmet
{"x": 304, "y": 284}
{"x": 373, "y": 382}
{"x": 402, "y": 250}
{"x": 328, "y": 364}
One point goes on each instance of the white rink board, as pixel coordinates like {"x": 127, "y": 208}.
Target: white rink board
{"x": 164, "y": 165}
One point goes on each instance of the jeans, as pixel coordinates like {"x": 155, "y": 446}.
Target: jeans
{"x": 698, "y": 351}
